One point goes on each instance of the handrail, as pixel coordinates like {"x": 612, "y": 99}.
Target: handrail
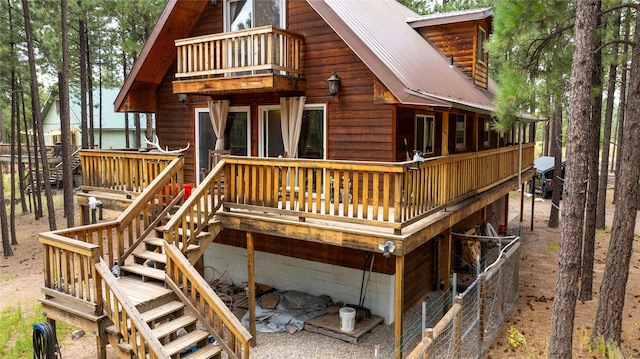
{"x": 257, "y": 49}
{"x": 202, "y": 301}
{"x": 127, "y": 319}
{"x": 196, "y": 212}
{"x": 146, "y": 210}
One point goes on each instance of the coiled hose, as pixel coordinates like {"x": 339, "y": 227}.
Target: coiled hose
{"x": 45, "y": 344}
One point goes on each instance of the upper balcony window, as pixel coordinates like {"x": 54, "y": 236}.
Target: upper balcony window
{"x": 247, "y": 14}
{"x": 460, "y": 131}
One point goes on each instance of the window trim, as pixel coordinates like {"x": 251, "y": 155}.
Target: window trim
{"x": 307, "y": 106}
{"x": 199, "y": 110}
{"x": 424, "y": 117}
{"x": 463, "y": 144}
{"x": 227, "y": 25}
{"x": 481, "y": 54}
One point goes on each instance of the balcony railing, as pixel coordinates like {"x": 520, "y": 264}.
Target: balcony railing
{"x": 241, "y": 52}
{"x": 392, "y": 195}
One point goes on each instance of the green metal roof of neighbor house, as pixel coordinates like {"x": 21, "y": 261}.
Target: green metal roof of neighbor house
{"x": 111, "y": 120}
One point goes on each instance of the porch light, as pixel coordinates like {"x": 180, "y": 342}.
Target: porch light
{"x": 182, "y": 97}
{"x": 334, "y": 84}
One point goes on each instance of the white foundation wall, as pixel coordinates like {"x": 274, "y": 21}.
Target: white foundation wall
{"x": 285, "y": 273}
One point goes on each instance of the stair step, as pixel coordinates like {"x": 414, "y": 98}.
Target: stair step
{"x": 154, "y": 256}
{"x": 158, "y": 242}
{"x": 144, "y": 271}
{"x": 185, "y": 341}
{"x": 206, "y": 352}
{"x": 161, "y": 311}
{"x": 164, "y": 329}
{"x": 153, "y": 314}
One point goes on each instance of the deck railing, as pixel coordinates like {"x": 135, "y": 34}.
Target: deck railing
{"x": 69, "y": 271}
{"x": 71, "y": 253}
{"x": 392, "y": 195}
{"x": 127, "y": 319}
{"x": 121, "y": 171}
{"x": 258, "y": 49}
{"x": 202, "y": 302}
{"x": 195, "y": 214}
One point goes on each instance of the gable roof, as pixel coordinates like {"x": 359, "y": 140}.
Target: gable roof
{"x": 377, "y": 31}
{"x": 407, "y": 64}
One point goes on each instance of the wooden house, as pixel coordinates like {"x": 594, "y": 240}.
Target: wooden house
{"x": 319, "y": 105}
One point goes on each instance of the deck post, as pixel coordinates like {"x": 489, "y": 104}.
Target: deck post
{"x": 445, "y": 134}
{"x": 448, "y": 238}
{"x": 101, "y": 346}
{"x": 251, "y": 284}
{"x": 398, "y": 306}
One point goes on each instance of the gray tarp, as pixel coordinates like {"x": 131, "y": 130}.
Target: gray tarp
{"x": 293, "y": 309}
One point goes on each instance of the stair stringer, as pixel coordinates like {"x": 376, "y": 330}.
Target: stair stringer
{"x": 214, "y": 229}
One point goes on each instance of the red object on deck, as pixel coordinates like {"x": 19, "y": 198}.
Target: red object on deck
{"x": 170, "y": 190}
{"x": 187, "y": 190}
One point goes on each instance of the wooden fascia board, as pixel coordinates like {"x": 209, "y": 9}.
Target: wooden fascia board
{"x": 245, "y": 84}
{"x": 156, "y": 57}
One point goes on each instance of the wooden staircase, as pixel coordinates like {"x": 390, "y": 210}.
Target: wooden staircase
{"x": 160, "y": 306}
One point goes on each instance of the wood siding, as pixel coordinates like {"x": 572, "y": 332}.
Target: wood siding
{"x": 460, "y": 40}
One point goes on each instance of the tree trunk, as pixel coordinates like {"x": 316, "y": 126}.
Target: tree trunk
{"x": 149, "y": 131}
{"x": 65, "y": 117}
{"x": 566, "y": 291}
{"x": 4, "y": 224}
{"x": 15, "y": 117}
{"x": 37, "y": 114}
{"x": 556, "y": 152}
{"x": 616, "y": 272}
{"x": 83, "y": 77}
{"x": 622, "y": 108}
{"x": 606, "y": 136}
{"x": 29, "y": 158}
{"x": 91, "y": 138}
{"x": 593, "y": 155}
{"x": 19, "y": 153}
{"x": 136, "y": 125}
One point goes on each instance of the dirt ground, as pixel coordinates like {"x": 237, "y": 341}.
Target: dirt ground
{"x": 21, "y": 278}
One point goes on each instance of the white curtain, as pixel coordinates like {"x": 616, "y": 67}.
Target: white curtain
{"x": 218, "y": 112}
{"x": 291, "y": 109}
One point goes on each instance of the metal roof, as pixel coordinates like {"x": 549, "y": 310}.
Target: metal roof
{"x": 450, "y": 17}
{"x": 412, "y": 68}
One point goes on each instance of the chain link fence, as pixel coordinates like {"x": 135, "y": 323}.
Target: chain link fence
{"x": 465, "y": 326}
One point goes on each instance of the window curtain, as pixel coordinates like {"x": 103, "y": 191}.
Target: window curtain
{"x": 218, "y": 113}
{"x": 291, "y": 109}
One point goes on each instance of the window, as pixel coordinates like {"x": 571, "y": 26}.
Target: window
{"x": 424, "y": 133}
{"x": 460, "y": 131}
{"x": 487, "y": 132}
{"x": 311, "y": 142}
{"x": 482, "y": 37}
{"x": 236, "y": 134}
{"x": 247, "y": 14}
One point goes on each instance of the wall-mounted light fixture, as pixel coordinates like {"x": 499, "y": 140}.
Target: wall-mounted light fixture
{"x": 334, "y": 84}
{"x": 215, "y": 2}
{"x": 182, "y": 97}
{"x": 387, "y": 248}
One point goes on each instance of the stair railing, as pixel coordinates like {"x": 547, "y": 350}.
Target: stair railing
{"x": 126, "y": 317}
{"x": 203, "y": 303}
{"x": 68, "y": 251}
{"x": 194, "y": 215}
{"x": 150, "y": 207}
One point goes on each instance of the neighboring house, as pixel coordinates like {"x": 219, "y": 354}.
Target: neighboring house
{"x": 113, "y": 136}
{"x": 402, "y": 77}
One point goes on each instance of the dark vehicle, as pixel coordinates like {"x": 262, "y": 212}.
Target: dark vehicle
{"x": 544, "y": 179}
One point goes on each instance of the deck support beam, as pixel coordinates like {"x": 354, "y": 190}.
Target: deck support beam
{"x": 251, "y": 284}
{"x": 399, "y": 290}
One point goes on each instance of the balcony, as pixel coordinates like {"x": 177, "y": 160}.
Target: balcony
{"x": 264, "y": 59}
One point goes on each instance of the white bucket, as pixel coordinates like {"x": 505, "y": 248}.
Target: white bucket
{"x": 347, "y": 319}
